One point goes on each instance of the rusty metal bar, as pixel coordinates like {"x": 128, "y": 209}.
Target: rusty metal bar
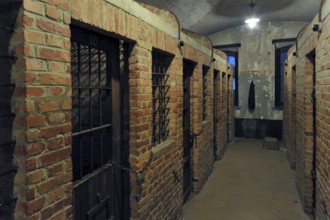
{"x": 91, "y": 130}
{"x": 12, "y": 170}
{"x": 13, "y": 57}
{"x": 7, "y": 28}
{"x": 10, "y": 115}
{"x": 13, "y": 200}
{"x": 7, "y": 85}
{"x": 12, "y": 143}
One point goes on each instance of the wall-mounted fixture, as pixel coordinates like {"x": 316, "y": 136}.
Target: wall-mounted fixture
{"x": 317, "y": 27}
{"x": 181, "y": 43}
{"x": 252, "y": 21}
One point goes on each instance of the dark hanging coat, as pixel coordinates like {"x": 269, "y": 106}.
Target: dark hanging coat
{"x": 252, "y": 97}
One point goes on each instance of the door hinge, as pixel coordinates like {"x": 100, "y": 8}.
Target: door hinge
{"x": 313, "y": 173}
{"x": 313, "y": 95}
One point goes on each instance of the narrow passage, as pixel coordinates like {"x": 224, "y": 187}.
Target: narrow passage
{"x": 249, "y": 183}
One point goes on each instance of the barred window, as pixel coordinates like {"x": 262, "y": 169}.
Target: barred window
{"x": 160, "y": 98}
{"x": 233, "y": 60}
{"x": 281, "y": 51}
{"x": 205, "y": 71}
{"x": 280, "y": 56}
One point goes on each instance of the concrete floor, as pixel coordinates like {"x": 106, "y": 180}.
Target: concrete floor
{"x": 249, "y": 183}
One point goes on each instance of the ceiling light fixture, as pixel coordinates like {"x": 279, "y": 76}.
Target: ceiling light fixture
{"x": 252, "y": 21}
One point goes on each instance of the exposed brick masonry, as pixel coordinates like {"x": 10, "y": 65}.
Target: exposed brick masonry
{"x": 298, "y": 120}
{"x": 42, "y": 103}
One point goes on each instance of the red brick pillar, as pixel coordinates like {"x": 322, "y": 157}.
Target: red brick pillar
{"x": 140, "y": 122}
{"x": 42, "y": 104}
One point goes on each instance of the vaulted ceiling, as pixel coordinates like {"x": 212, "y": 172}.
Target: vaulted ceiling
{"x": 209, "y": 16}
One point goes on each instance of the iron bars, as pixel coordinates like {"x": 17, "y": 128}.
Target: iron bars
{"x": 205, "y": 71}
{"x": 91, "y": 109}
{"x": 160, "y": 98}
{"x": 7, "y": 145}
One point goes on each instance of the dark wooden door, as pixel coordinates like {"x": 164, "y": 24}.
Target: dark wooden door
{"x": 187, "y": 142}
{"x": 96, "y": 126}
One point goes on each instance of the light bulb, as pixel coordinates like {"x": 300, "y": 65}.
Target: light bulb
{"x": 252, "y": 22}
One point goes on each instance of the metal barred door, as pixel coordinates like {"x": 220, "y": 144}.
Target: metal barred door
{"x": 187, "y": 178}
{"x": 96, "y": 126}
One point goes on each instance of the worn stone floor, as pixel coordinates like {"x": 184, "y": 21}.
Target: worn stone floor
{"x": 249, "y": 183}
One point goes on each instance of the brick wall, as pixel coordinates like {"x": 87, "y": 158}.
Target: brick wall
{"x": 203, "y": 152}
{"x": 289, "y": 109}
{"x": 306, "y": 147}
{"x": 224, "y": 115}
{"x": 304, "y": 127}
{"x": 42, "y": 103}
{"x": 221, "y": 135}
{"x": 322, "y": 122}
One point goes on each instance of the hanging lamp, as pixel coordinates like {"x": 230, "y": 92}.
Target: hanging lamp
{"x": 252, "y": 21}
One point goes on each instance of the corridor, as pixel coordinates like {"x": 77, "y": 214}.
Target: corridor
{"x": 115, "y": 109}
{"x": 249, "y": 183}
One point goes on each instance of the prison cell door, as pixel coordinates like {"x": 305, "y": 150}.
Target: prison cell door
{"x": 224, "y": 109}
{"x": 229, "y": 103}
{"x": 293, "y": 114}
{"x": 216, "y": 100}
{"x": 96, "y": 126}
{"x": 311, "y": 57}
{"x": 187, "y": 142}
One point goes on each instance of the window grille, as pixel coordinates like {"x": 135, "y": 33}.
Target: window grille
{"x": 205, "y": 70}
{"x": 91, "y": 103}
{"x": 280, "y": 57}
{"x": 160, "y": 98}
{"x": 233, "y": 60}
{"x": 281, "y": 49}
